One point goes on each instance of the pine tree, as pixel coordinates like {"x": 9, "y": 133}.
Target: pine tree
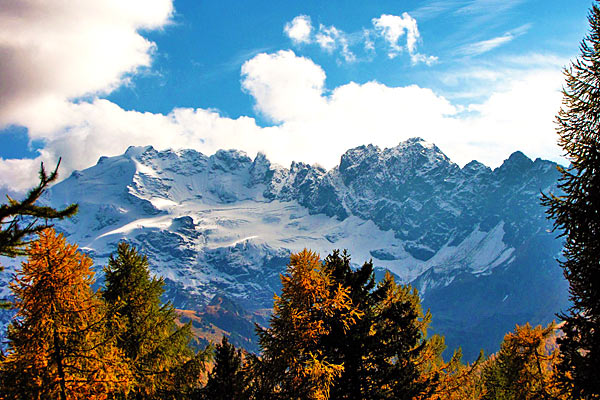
{"x": 58, "y": 344}
{"x": 577, "y": 216}
{"x": 159, "y": 352}
{"x": 293, "y": 364}
{"x": 19, "y": 219}
{"x": 226, "y": 381}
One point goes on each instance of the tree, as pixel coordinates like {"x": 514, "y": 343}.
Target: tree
{"x": 293, "y": 363}
{"x": 524, "y": 368}
{"x": 163, "y": 364}
{"x": 58, "y": 344}
{"x": 335, "y": 333}
{"x": 19, "y": 219}
{"x": 576, "y": 214}
{"x": 386, "y": 354}
{"x": 226, "y": 380}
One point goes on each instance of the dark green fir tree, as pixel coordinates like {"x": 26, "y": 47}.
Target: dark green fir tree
{"x": 227, "y": 379}
{"x": 21, "y": 219}
{"x": 163, "y": 363}
{"x": 576, "y": 215}
{"x": 386, "y": 354}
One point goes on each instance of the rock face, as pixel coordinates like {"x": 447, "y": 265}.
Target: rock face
{"x": 475, "y": 241}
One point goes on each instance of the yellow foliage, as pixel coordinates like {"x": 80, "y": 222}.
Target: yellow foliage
{"x": 309, "y": 299}
{"x": 58, "y": 347}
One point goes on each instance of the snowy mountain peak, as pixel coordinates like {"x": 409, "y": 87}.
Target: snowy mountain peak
{"x": 517, "y": 161}
{"x": 224, "y": 225}
{"x": 136, "y": 151}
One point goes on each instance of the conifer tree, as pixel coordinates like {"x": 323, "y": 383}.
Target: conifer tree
{"x": 163, "y": 364}
{"x": 386, "y": 353}
{"x": 525, "y": 366}
{"x": 58, "y": 344}
{"x": 227, "y": 380}
{"x": 576, "y": 214}
{"x": 20, "y": 219}
{"x": 293, "y": 364}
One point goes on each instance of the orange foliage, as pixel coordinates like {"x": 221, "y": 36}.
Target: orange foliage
{"x": 308, "y": 300}
{"x": 58, "y": 344}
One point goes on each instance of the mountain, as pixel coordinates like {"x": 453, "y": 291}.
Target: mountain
{"x": 475, "y": 241}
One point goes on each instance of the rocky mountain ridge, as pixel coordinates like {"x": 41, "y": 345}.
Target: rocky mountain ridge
{"x": 223, "y": 226}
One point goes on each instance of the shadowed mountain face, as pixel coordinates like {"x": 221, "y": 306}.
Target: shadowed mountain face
{"x": 475, "y": 241}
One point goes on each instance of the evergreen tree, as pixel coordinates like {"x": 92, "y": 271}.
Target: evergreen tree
{"x": 386, "y": 354}
{"x": 524, "y": 368}
{"x": 19, "y": 219}
{"x": 58, "y": 344}
{"x": 353, "y": 346}
{"x": 577, "y": 216}
{"x": 361, "y": 339}
{"x": 227, "y": 380}
{"x": 163, "y": 364}
{"x": 293, "y": 364}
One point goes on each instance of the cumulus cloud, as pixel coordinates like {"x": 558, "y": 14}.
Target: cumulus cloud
{"x": 393, "y": 28}
{"x": 518, "y": 116}
{"x": 58, "y": 51}
{"x": 299, "y": 29}
{"x": 286, "y": 87}
{"x": 61, "y": 49}
{"x": 311, "y": 123}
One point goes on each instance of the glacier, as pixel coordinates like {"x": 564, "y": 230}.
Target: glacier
{"x": 222, "y": 227}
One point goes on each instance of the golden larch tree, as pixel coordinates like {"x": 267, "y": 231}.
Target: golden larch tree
{"x": 293, "y": 363}
{"x": 58, "y": 343}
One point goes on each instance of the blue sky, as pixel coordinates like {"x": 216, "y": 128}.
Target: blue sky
{"x": 296, "y": 80}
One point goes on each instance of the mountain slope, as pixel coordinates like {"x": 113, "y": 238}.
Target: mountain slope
{"x": 223, "y": 227}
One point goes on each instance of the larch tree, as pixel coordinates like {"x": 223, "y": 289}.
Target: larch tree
{"x": 21, "y": 219}
{"x": 525, "y": 366}
{"x": 576, "y": 215}
{"x": 163, "y": 363}
{"x": 293, "y": 363}
{"x": 58, "y": 346}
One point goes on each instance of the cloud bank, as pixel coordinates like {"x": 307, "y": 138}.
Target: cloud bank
{"x": 310, "y": 122}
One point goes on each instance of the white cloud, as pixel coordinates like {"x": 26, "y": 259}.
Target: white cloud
{"x": 299, "y": 29}
{"x": 326, "y": 38}
{"x": 484, "y": 46}
{"x": 334, "y": 40}
{"x": 369, "y": 44}
{"x": 330, "y": 38}
{"x": 519, "y": 117}
{"x": 393, "y": 28}
{"x": 286, "y": 87}
{"x": 487, "y": 7}
{"x": 62, "y": 49}
{"x": 313, "y": 125}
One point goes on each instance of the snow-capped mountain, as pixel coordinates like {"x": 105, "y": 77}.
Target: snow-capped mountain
{"x": 475, "y": 241}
